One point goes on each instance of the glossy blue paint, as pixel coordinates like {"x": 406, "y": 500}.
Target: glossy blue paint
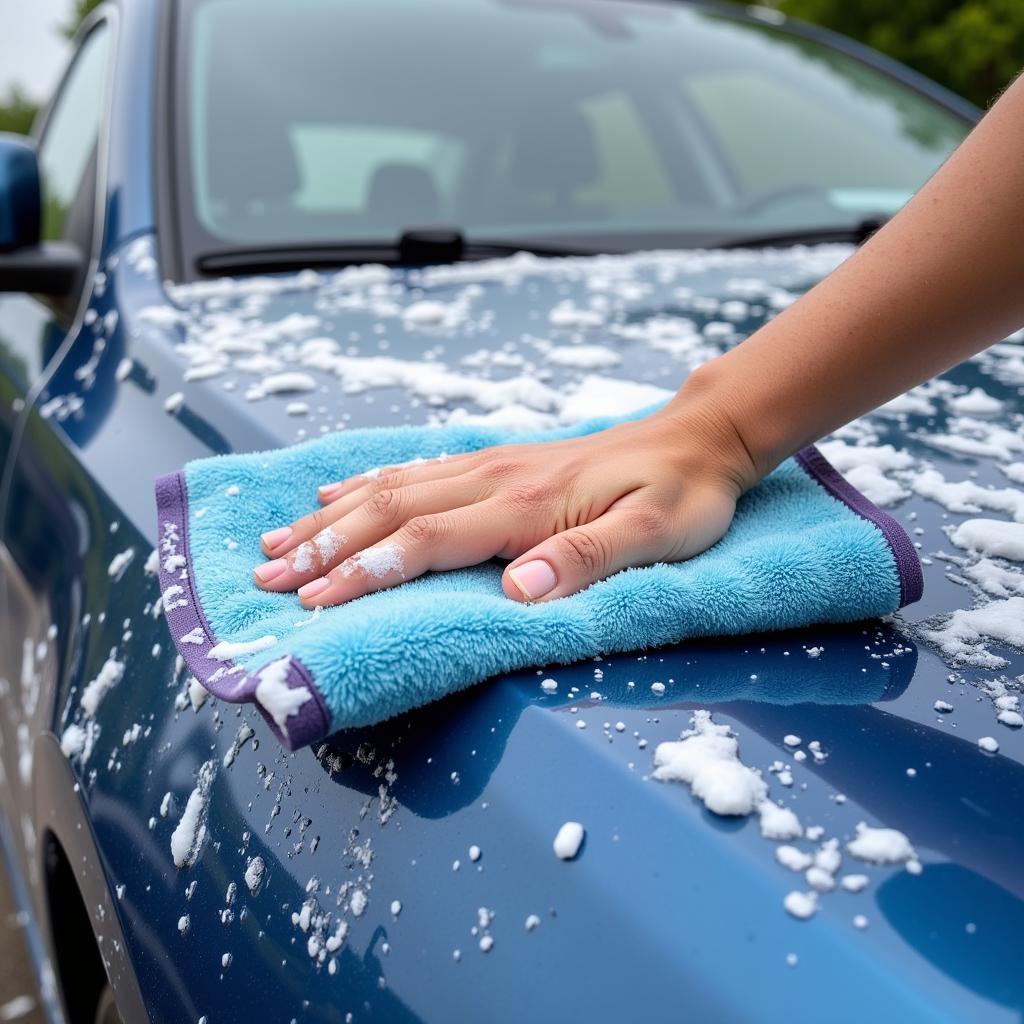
{"x": 668, "y": 911}
{"x": 19, "y": 193}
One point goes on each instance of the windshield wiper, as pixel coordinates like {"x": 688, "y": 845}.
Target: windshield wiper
{"x": 857, "y": 233}
{"x": 415, "y": 247}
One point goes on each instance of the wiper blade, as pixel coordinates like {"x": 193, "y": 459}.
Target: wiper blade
{"x": 857, "y": 233}
{"x": 415, "y": 247}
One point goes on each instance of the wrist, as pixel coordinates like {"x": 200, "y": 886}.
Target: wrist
{"x": 705, "y": 411}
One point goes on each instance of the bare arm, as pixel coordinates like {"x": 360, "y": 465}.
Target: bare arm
{"x": 941, "y": 281}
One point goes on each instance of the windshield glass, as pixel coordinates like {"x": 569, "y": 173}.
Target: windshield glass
{"x": 618, "y": 124}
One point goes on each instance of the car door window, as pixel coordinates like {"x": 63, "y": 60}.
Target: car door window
{"x": 67, "y": 151}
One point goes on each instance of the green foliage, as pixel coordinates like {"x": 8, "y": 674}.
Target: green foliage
{"x": 79, "y": 12}
{"x": 974, "y": 47}
{"x": 17, "y": 112}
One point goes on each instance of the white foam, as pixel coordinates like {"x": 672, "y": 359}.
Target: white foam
{"x": 778, "y": 823}
{"x": 793, "y": 858}
{"x": 190, "y": 833}
{"x": 963, "y": 633}
{"x": 108, "y": 677}
{"x": 567, "y": 315}
{"x": 277, "y": 698}
{"x": 802, "y": 905}
{"x": 584, "y": 357}
{"x": 228, "y": 649}
{"x": 568, "y": 840}
{"x": 880, "y": 846}
{"x": 991, "y": 537}
{"x": 608, "y": 396}
{"x": 119, "y": 563}
{"x": 72, "y": 742}
{"x": 706, "y": 758}
{"x": 377, "y": 561}
{"x": 254, "y": 874}
{"x": 286, "y": 383}
{"x": 977, "y": 402}
{"x": 854, "y": 883}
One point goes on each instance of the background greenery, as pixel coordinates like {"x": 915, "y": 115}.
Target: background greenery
{"x": 975, "y": 47}
{"x": 16, "y": 109}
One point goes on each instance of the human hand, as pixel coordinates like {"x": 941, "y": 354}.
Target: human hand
{"x": 568, "y": 513}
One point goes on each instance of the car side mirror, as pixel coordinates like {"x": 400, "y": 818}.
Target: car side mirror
{"x": 26, "y": 263}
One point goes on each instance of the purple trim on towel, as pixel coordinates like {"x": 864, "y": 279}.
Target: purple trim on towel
{"x": 312, "y": 721}
{"x": 908, "y": 565}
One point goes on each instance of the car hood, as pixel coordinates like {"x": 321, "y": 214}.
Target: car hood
{"x": 386, "y": 855}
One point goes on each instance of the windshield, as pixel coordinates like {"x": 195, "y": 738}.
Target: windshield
{"x": 615, "y": 124}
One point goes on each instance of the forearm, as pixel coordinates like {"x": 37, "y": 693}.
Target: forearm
{"x": 941, "y": 281}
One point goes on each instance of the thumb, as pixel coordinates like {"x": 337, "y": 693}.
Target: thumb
{"x": 572, "y": 560}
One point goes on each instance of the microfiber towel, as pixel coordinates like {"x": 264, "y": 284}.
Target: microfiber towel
{"x": 804, "y": 547}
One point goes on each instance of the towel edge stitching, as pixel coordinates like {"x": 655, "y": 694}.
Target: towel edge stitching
{"x": 172, "y": 505}
{"x": 908, "y": 565}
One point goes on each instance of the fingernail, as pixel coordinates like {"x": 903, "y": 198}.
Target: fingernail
{"x": 327, "y": 490}
{"x": 534, "y": 579}
{"x": 274, "y": 537}
{"x": 270, "y": 570}
{"x": 314, "y": 587}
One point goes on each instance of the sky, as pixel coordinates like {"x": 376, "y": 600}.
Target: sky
{"x": 32, "y": 50}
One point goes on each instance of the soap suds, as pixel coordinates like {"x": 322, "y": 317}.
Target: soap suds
{"x": 778, "y": 823}
{"x": 72, "y": 742}
{"x": 119, "y": 563}
{"x": 991, "y": 537}
{"x": 568, "y": 840}
{"x": 793, "y": 858}
{"x": 328, "y": 544}
{"x": 707, "y": 760}
{"x": 108, "y": 677}
{"x": 276, "y": 697}
{"x": 189, "y": 835}
{"x": 976, "y": 402}
{"x": 801, "y": 905}
{"x": 377, "y": 561}
{"x": 880, "y": 846}
{"x": 963, "y": 633}
{"x": 854, "y": 883}
{"x": 254, "y": 874}
{"x": 228, "y": 649}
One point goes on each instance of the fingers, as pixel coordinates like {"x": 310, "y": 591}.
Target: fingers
{"x": 350, "y": 494}
{"x": 418, "y": 471}
{"x": 329, "y": 536}
{"x": 445, "y": 540}
{"x": 640, "y": 530}
{"x": 569, "y": 561}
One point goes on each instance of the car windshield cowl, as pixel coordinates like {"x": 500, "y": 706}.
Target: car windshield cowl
{"x": 408, "y": 249}
{"x": 413, "y": 249}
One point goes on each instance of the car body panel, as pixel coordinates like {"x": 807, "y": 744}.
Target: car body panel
{"x": 668, "y": 909}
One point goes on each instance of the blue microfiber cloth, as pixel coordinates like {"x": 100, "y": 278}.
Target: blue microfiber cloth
{"x": 805, "y": 547}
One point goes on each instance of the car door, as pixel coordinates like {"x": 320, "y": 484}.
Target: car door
{"x": 38, "y": 527}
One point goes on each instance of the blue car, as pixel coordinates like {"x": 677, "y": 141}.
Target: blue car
{"x": 240, "y": 225}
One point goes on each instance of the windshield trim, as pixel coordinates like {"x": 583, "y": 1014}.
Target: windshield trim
{"x": 183, "y": 245}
